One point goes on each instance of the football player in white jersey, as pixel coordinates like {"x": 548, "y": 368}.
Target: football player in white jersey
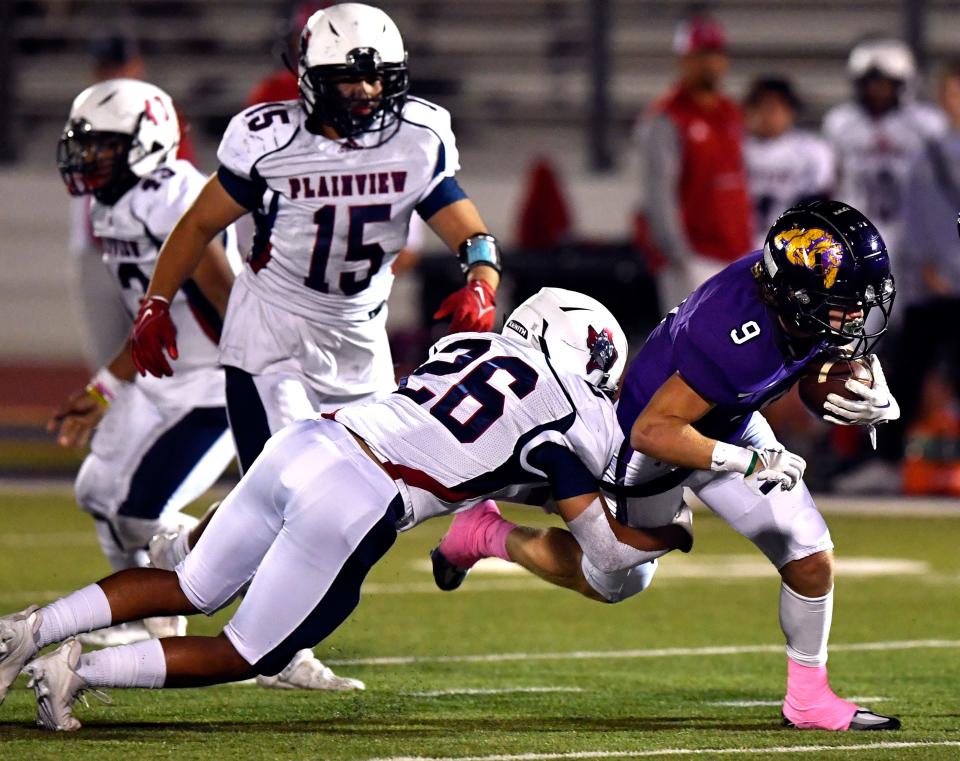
{"x": 877, "y": 135}
{"x": 487, "y": 415}
{"x": 159, "y": 443}
{"x": 332, "y": 180}
{"x": 785, "y": 165}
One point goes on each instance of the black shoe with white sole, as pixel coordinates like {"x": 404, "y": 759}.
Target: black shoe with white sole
{"x": 865, "y": 720}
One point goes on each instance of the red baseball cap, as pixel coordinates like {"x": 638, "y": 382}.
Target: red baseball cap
{"x": 698, "y": 34}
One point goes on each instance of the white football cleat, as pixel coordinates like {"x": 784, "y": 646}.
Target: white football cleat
{"x": 162, "y": 550}
{"x": 306, "y": 672}
{"x": 57, "y": 685}
{"x": 167, "y": 548}
{"x": 17, "y": 645}
{"x": 120, "y": 634}
{"x": 159, "y": 627}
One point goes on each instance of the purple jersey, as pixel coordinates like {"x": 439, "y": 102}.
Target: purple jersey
{"x": 726, "y": 344}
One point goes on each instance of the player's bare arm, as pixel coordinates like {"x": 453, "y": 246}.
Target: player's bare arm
{"x": 472, "y": 307}
{"x": 183, "y": 252}
{"x": 214, "y": 276}
{"x": 154, "y": 334}
{"x": 81, "y": 412}
{"x": 664, "y": 429}
{"x": 457, "y": 222}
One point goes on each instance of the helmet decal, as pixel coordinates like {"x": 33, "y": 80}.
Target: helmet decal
{"x": 807, "y": 248}
{"x": 603, "y": 354}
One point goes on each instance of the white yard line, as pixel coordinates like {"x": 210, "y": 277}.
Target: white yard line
{"x": 926, "y": 507}
{"x": 777, "y": 749}
{"x": 665, "y": 652}
{"x": 764, "y": 703}
{"x": 486, "y": 691}
{"x": 677, "y": 567}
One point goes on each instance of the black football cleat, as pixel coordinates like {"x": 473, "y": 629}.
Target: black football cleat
{"x": 864, "y": 720}
{"x": 446, "y": 575}
{"x": 867, "y": 720}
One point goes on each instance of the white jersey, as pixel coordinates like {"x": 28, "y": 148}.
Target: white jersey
{"x": 463, "y": 425}
{"x": 130, "y": 234}
{"x": 783, "y": 171}
{"x": 874, "y": 158}
{"x": 331, "y": 218}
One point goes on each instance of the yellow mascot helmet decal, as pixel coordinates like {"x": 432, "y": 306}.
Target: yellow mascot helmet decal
{"x": 810, "y": 247}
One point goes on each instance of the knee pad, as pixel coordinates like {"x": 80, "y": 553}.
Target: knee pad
{"x": 620, "y": 585}
{"x": 95, "y": 488}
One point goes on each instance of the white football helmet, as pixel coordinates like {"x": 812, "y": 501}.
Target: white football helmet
{"x": 888, "y": 57}
{"x": 351, "y": 42}
{"x": 576, "y": 332}
{"x": 118, "y": 130}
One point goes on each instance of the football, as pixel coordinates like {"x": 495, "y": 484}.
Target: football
{"x": 827, "y": 375}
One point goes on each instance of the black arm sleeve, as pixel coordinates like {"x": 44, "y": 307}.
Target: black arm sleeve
{"x": 567, "y": 474}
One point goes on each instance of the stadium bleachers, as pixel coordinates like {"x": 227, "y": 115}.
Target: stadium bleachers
{"x": 505, "y": 62}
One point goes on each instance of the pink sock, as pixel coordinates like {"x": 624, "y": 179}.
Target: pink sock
{"x": 810, "y": 703}
{"x": 494, "y": 541}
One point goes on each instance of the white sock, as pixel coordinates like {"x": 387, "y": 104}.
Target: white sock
{"x": 139, "y": 665}
{"x": 805, "y": 622}
{"x": 81, "y": 611}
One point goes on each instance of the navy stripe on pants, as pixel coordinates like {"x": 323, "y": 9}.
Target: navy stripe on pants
{"x": 248, "y": 418}
{"x": 342, "y": 596}
{"x": 170, "y": 460}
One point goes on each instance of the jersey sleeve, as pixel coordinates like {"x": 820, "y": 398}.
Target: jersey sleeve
{"x": 567, "y": 474}
{"x": 592, "y": 436}
{"x": 442, "y": 188}
{"x": 719, "y": 359}
{"x": 251, "y": 135}
{"x": 835, "y": 122}
{"x": 165, "y": 195}
{"x": 824, "y": 166}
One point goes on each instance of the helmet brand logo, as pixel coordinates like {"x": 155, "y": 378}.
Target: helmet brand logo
{"x": 603, "y": 354}
{"x": 514, "y": 325}
{"x": 808, "y": 248}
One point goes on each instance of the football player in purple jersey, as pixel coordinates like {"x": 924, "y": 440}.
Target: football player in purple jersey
{"x": 689, "y": 415}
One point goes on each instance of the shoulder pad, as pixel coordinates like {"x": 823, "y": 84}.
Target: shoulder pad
{"x": 165, "y": 194}
{"x": 256, "y": 132}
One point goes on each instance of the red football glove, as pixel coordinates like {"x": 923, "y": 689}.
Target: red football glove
{"x": 153, "y": 332}
{"x": 472, "y": 308}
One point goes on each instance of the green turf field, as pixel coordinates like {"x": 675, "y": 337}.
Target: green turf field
{"x": 657, "y": 676}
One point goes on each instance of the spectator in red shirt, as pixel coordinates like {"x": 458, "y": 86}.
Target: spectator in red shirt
{"x": 695, "y": 200}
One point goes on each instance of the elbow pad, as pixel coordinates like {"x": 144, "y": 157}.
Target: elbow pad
{"x": 600, "y": 545}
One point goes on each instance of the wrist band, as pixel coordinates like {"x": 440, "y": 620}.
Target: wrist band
{"x": 730, "y": 457}
{"x": 480, "y": 248}
{"x": 105, "y": 387}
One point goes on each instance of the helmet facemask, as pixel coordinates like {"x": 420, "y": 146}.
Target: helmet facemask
{"x": 830, "y": 317}
{"x": 325, "y": 104}
{"x": 96, "y": 163}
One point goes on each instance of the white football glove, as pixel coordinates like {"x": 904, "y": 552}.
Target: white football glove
{"x": 779, "y": 467}
{"x": 876, "y": 405}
